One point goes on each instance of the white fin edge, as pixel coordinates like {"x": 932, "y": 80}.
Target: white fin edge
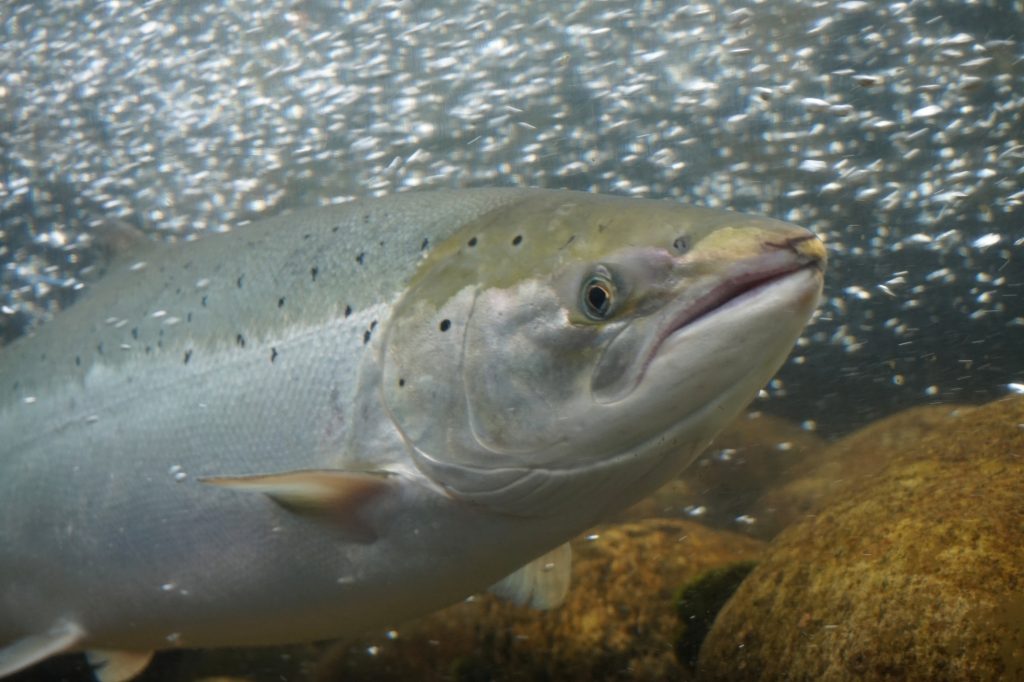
{"x": 27, "y": 651}
{"x": 117, "y": 666}
{"x": 540, "y": 584}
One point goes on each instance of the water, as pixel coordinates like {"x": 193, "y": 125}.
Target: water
{"x": 894, "y": 130}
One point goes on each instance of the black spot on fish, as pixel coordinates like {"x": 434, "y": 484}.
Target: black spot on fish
{"x": 425, "y": 245}
{"x": 187, "y": 265}
{"x": 178, "y": 291}
{"x": 160, "y": 345}
{"x": 239, "y": 281}
{"x": 78, "y": 361}
{"x": 472, "y": 242}
{"x": 366, "y": 217}
{"x": 373, "y": 325}
{"x": 273, "y": 354}
{"x": 517, "y": 240}
{"x": 149, "y": 349}
{"x": 681, "y": 244}
{"x": 361, "y": 258}
{"x": 188, "y": 356}
{"x": 240, "y": 340}
{"x": 280, "y": 302}
{"x": 445, "y": 325}
{"x": 366, "y": 336}
{"x": 306, "y": 236}
{"x": 188, "y": 318}
{"x": 348, "y": 310}
{"x": 336, "y": 228}
{"x": 99, "y": 348}
{"x": 135, "y": 333}
{"x": 313, "y": 272}
{"x": 204, "y": 301}
{"x": 401, "y": 382}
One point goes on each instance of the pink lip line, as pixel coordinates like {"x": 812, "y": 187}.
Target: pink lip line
{"x": 732, "y": 288}
{"x": 729, "y": 290}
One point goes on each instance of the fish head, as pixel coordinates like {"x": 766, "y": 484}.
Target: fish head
{"x": 574, "y": 351}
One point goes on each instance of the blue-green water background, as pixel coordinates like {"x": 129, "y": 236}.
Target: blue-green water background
{"x": 895, "y": 130}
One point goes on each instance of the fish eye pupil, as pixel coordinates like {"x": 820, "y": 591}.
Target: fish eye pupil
{"x": 597, "y": 298}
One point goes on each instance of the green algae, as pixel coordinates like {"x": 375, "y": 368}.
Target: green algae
{"x": 699, "y": 601}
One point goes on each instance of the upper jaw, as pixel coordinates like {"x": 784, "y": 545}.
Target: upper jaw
{"x": 780, "y": 259}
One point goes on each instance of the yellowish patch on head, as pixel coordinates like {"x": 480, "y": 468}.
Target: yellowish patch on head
{"x": 542, "y": 233}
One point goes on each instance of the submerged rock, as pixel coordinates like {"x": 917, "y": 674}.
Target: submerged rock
{"x": 811, "y": 482}
{"x": 699, "y": 601}
{"x": 619, "y": 620}
{"x": 913, "y": 571}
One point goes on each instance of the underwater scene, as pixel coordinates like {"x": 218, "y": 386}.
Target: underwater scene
{"x": 862, "y": 518}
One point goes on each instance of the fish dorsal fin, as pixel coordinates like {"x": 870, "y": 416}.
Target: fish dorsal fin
{"x": 542, "y": 583}
{"x": 123, "y": 245}
{"x": 21, "y": 653}
{"x": 118, "y": 239}
{"x": 338, "y": 496}
{"x": 117, "y": 666}
{"x": 120, "y": 244}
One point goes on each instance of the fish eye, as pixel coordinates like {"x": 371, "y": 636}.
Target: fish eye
{"x": 598, "y": 295}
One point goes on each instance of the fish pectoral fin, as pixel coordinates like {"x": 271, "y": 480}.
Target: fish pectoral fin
{"x": 117, "y": 666}
{"x": 338, "y": 496}
{"x": 21, "y": 653}
{"x": 542, "y": 583}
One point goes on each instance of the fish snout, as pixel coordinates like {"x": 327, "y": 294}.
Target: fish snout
{"x": 806, "y": 245}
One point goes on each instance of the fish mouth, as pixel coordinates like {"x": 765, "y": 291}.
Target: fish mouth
{"x": 747, "y": 279}
{"x": 753, "y": 278}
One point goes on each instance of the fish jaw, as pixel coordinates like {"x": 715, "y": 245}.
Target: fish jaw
{"x": 715, "y": 358}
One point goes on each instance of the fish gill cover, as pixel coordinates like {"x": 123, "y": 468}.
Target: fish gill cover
{"x": 891, "y": 128}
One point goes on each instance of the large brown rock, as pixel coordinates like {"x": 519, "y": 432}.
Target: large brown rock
{"x": 619, "y": 621}
{"x": 813, "y": 481}
{"x": 913, "y": 570}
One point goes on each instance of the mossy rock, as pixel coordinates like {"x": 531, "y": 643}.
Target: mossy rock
{"x": 699, "y": 601}
{"x": 912, "y": 572}
{"x": 816, "y": 480}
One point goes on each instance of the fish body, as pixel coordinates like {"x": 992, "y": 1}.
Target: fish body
{"x": 343, "y": 418}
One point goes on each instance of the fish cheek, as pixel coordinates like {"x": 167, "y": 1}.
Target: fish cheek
{"x": 621, "y": 365}
{"x": 422, "y": 372}
{"x": 527, "y": 369}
